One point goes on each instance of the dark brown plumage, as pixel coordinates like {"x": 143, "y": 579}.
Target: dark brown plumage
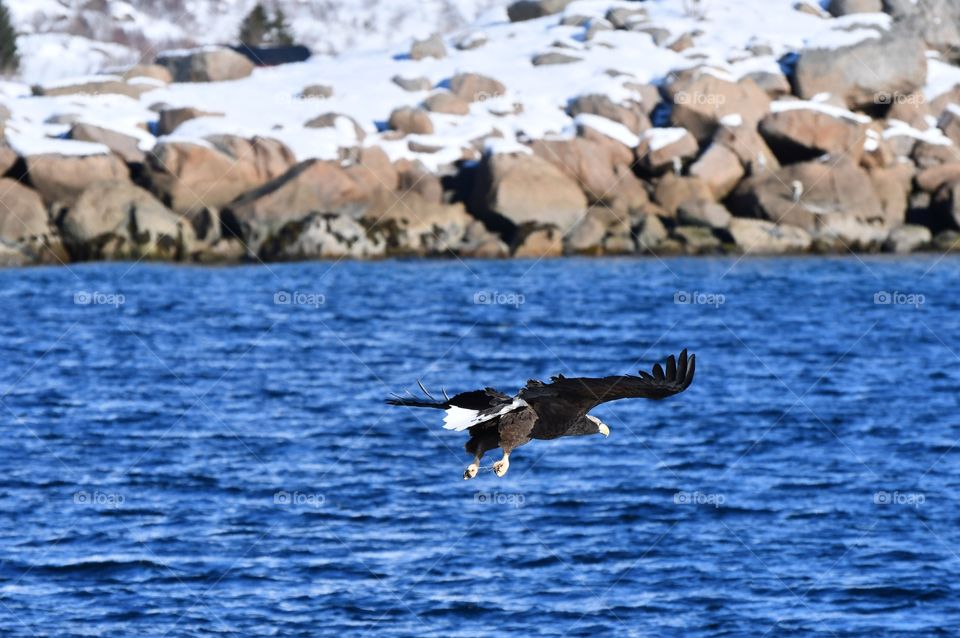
{"x": 548, "y": 410}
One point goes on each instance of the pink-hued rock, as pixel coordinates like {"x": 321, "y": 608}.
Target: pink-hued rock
{"x": 673, "y": 191}
{"x": 125, "y": 146}
{"x": 539, "y": 243}
{"x": 865, "y": 74}
{"x": 209, "y": 64}
{"x": 762, "y": 237}
{"x": 797, "y": 134}
{"x": 519, "y": 189}
{"x": 313, "y": 186}
{"x": 662, "y": 149}
{"x": 61, "y": 178}
{"x": 720, "y": 168}
{"x": 26, "y": 232}
{"x": 117, "y": 220}
{"x": 190, "y": 178}
{"x": 701, "y": 99}
{"x": 408, "y": 120}
{"x": 629, "y": 114}
{"x": 810, "y": 195}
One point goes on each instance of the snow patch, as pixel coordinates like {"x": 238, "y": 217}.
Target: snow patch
{"x": 499, "y": 146}
{"x": 781, "y": 106}
{"x": 897, "y": 128}
{"x": 79, "y": 81}
{"x": 183, "y": 53}
{"x": 613, "y": 130}
{"x": 658, "y": 138}
{"x": 758, "y": 64}
{"x": 850, "y": 30}
{"x": 48, "y": 57}
{"x": 733, "y": 120}
{"x": 941, "y": 78}
{"x": 28, "y": 145}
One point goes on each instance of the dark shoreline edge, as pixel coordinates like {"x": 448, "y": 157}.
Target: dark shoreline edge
{"x": 921, "y": 255}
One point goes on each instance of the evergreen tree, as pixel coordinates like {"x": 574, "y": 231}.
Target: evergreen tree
{"x": 259, "y": 28}
{"x": 280, "y": 31}
{"x": 254, "y": 27}
{"x": 9, "y": 58}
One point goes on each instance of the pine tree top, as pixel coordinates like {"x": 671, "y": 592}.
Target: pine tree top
{"x": 260, "y": 28}
{"x": 9, "y": 56}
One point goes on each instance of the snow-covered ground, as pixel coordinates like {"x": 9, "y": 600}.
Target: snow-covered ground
{"x": 60, "y": 38}
{"x": 266, "y": 103}
{"x": 48, "y": 57}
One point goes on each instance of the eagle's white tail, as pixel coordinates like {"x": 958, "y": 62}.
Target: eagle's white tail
{"x": 460, "y": 419}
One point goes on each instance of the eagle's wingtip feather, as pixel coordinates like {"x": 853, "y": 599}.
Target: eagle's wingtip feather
{"x": 658, "y": 372}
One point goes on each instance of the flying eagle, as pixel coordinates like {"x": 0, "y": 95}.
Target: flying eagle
{"x": 546, "y": 410}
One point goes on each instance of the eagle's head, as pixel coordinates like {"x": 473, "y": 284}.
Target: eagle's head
{"x": 593, "y": 425}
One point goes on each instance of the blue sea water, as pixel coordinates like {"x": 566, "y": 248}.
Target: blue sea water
{"x": 206, "y": 452}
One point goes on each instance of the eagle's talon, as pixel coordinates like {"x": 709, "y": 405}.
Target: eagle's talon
{"x": 500, "y": 467}
{"x": 470, "y": 472}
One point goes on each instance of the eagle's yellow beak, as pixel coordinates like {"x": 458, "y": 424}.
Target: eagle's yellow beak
{"x": 604, "y": 430}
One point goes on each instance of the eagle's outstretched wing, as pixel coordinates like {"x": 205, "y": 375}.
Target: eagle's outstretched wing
{"x": 585, "y": 392}
{"x": 467, "y": 409}
{"x": 473, "y": 400}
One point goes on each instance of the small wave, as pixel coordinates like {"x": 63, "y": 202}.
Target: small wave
{"x": 544, "y": 561}
{"x": 599, "y": 558}
{"x": 462, "y": 609}
{"x": 805, "y": 485}
{"x": 900, "y": 555}
{"x": 899, "y": 593}
{"x": 102, "y": 566}
{"x": 132, "y": 512}
{"x": 820, "y": 513}
{"x": 732, "y": 511}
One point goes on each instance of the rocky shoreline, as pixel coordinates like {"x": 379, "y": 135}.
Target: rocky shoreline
{"x": 819, "y": 153}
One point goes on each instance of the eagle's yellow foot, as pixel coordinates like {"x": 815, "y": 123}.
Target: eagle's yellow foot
{"x": 500, "y": 467}
{"x": 471, "y": 471}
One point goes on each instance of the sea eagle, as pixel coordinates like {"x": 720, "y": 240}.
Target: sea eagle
{"x": 546, "y": 410}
